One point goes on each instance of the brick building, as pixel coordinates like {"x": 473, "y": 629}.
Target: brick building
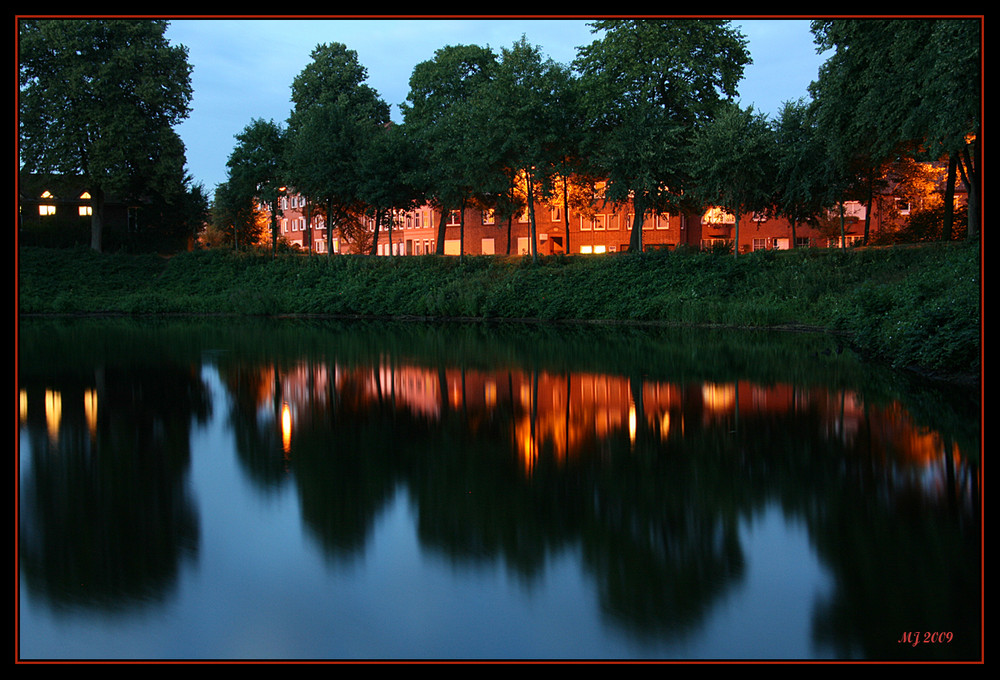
{"x": 415, "y": 232}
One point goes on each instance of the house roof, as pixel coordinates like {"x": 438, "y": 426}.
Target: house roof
{"x": 61, "y": 189}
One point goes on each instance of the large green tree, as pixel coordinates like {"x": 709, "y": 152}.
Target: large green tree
{"x": 99, "y": 99}
{"x": 733, "y": 162}
{"x": 335, "y": 118}
{"x": 439, "y": 113}
{"x": 801, "y": 176}
{"x": 256, "y": 169}
{"x": 521, "y": 117}
{"x": 904, "y": 86}
{"x": 647, "y": 86}
{"x": 387, "y": 167}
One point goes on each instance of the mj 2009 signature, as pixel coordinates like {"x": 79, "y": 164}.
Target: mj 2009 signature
{"x": 917, "y": 638}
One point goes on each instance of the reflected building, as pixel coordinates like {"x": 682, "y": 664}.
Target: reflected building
{"x": 563, "y": 416}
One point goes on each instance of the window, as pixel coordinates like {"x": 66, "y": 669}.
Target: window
{"x": 45, "y": 208}
{"x": 662, "y": 221}
{"x": 454, "y": 218}
{"x": 555, "y": 215}
{"x": 717, "y": 216}
{"x": 489, "y": 217}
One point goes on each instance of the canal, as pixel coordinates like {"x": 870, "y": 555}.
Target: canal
{"x": 316, "y": 489}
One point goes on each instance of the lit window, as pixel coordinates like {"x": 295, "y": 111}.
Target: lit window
{"x": 44, "y": 208}
{"x": 86, "y": 211}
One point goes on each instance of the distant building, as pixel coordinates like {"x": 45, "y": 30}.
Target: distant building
{"x": 57, "y": 209}
{"x": 607, "y": 230}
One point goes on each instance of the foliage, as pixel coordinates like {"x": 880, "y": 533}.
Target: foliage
{"x": 255, "y": 168}
{"x": 99, "y": 99}
{"x": 733, "y": 162}
{"x": 647, "y": 86}
{"x": 438, "y": 111}
{"x": 800, "y": 192}
{"x": 910, "y": 84}
{"x": 911, "y": 306}
{"x": 335, "y": 140}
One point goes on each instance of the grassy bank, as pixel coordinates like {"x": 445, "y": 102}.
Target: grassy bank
{"x": 912, "y": 307}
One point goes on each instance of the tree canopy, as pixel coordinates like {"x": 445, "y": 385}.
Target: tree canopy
{"x": 256, "y": 168}
{"x": 648, "y": 86}
{"x": 733, "y": 162}
{"x": 438, "y": 111}
{"x": 333, "y": 125}
{"x": 99, "y": 99}
{"x": 902, "y": 86}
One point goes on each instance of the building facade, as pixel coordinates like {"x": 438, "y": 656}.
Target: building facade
{"x": 607, "y": 227}
{"x": 609, "y": 230}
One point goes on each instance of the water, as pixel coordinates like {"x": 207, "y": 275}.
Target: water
{"x": 302, "y": 489}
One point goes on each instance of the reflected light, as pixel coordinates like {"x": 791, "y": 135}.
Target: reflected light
{"x": 286, "y": 427}
{"x": 24, "y": 405}
{"x": 53, "y": 413}
{"x": 718, "y": 397}
{"x": 90, "y": 410}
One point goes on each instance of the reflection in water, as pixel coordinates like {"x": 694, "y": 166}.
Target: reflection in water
{"x": 648, "y": 466}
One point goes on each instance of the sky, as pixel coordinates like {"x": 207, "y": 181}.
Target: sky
{"x": 243, "y": 68}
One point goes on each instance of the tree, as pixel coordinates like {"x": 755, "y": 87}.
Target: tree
{"x": 236, "y": 215}
{"x": 387, "y": 167}
{"x": 99, "y": 98}
{"x": 256, "y": 170}
{"x": 520, "y": 117}
{"x": 646, "y": 87}
{"x": 733, "y": 162}
{"x": 905, "y": 86}
{"x": 800, "y": 166}
{"x": 437, "y": 113}
{"x": 334, "y": 119}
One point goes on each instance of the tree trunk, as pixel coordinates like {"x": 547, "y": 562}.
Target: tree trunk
{"x": 949, "y": 198}
{"x": 971, "y": 181}
{"x": 378, "y": 221}
{"x": 531, "y": 215}
{"x": 274, "y": 228}
{"x": 736, "y": 241}
{"x": 329, "y": 227}
{"x": 442, "y": 230}
{"x": 97, "y": 219}
{"x": 843, "y": 236}
{"x": 635, "y": 240}
{"x": 565, "y": 197}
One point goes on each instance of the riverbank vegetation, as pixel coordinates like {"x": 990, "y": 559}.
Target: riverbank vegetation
{"x": 911, "y": 307}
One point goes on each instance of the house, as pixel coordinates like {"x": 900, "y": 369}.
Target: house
{"x": 607, "y": 230}
{"x": 56, "y": 210}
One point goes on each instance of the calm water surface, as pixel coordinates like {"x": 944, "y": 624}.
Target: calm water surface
{"x": 322, "y": 490}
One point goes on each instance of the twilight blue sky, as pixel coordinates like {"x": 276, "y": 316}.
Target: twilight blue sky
{"x": 243, "y": 68}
